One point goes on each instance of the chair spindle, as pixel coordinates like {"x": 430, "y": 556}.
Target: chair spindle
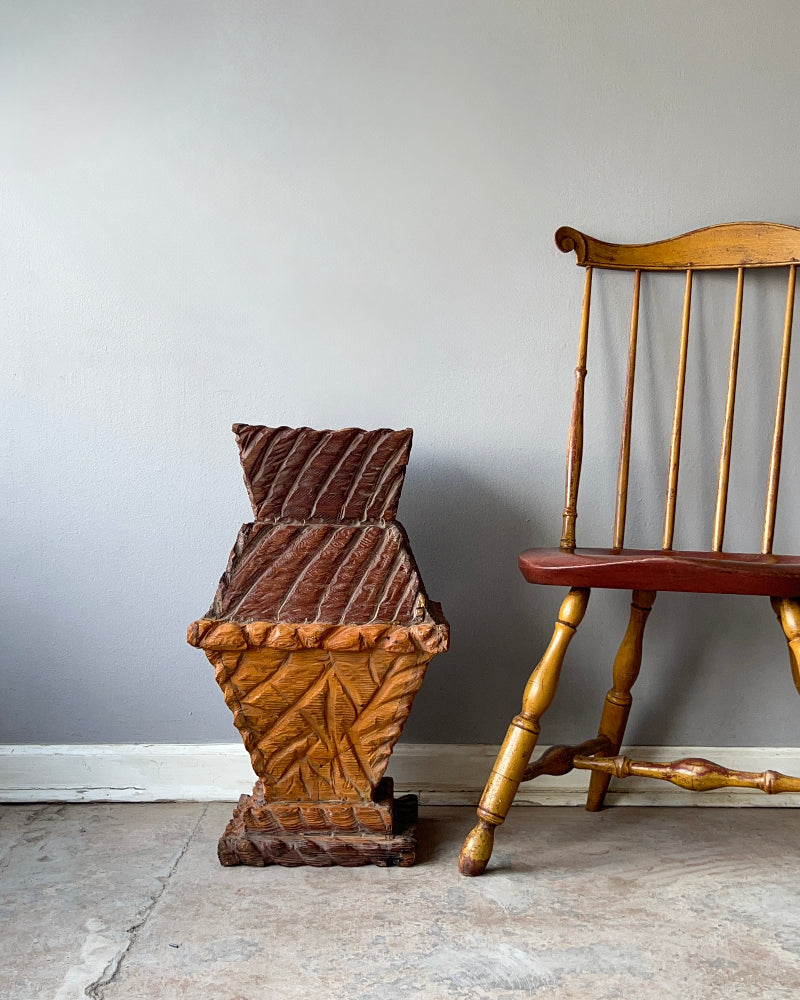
{"x": 627, "y": 420}
{"x": 780, "y": 411}
{"x": 677, "y": 421}
{"x": 727, "y": 431}
{"x": 575, "y": 443}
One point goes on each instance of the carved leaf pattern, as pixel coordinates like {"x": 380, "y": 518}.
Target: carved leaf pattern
{"x": 380, "y": 723}
{"x": 319, "y": 724}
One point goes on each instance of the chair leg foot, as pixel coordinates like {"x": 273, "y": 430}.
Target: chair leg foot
{"x": 477, "y": 849}
{"x": 618, "y": 701}
{"x": 598, "y": 786}
{"x": 521, "y": 737}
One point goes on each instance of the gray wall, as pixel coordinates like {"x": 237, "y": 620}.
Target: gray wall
{"x": 341, "y": 213}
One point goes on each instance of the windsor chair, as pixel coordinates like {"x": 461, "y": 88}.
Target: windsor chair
{"x": 735, "y": 247}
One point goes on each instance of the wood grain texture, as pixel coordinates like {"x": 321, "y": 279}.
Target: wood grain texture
{"x": 298, "y": 473}
{"x": 732, "y": 245}
{"x": 245, "y": 843}
{"x": 320, "y": 633}
{"x": 646, "y": 569}
{"x": 332, "y": 573}
{"x": 726, "y": 445}
{"x": 623, "y": 469}
{"x": 671, "y": 497}
{"x": 617, "y": 705}
{"x": 261, "y": 812}
{"x": 319, "y": 724}
{"x": 432, "y": 636}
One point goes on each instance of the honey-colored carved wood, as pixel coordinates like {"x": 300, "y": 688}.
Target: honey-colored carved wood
{"x": 738, "y": 247}
{"x": 319, "y": 721}
{"x": 320, "y": 634}
{"x": 321, "y": 834}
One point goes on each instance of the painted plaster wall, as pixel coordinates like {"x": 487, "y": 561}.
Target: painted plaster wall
{"x": 341, "y": 213}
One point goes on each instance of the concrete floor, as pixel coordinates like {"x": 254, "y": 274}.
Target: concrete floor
{"x": 128, "y": 901}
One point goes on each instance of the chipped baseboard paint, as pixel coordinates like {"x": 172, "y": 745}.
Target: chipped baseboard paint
{"x": 439, "y": 773}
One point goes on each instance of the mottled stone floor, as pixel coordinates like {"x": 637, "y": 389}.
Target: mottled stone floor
{"x": 128, "y": 901}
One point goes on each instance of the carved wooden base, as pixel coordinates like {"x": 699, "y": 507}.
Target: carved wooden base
{"x": 322, "y": 834}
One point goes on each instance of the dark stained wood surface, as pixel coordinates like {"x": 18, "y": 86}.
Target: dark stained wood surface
{"x": 337, "y": 574}
{"x": 259, "y": 834}
{"x": 644, "y": 569}
{"x": 302, "y": 474}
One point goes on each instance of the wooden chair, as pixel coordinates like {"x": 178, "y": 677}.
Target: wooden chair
{"x": 736, "y": 247}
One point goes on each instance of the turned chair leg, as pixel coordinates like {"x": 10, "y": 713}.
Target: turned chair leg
{"x": 521, "y": 737}
{"x": 788, "y": 611}
{"x": 617, "y": 705}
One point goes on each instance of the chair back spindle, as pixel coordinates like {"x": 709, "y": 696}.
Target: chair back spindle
{"x": 734, "y": 246}
{"x": 575, "y": 443}
{"x": 780, "y": 412}
{"x": 724, "y": 475}
{"x": 677, "y": 421}
{"x": 627, "y": 421}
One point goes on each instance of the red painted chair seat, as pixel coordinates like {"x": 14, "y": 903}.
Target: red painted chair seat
{"x": 646, "y": 569}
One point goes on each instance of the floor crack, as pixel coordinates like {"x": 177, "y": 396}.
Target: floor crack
{"x": 96, "y": 990}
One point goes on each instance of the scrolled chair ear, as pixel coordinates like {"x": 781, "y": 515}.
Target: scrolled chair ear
{"x": 569, "y": 239}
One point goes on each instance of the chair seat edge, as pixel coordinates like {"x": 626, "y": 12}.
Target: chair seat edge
{"x": 648, "y": 569}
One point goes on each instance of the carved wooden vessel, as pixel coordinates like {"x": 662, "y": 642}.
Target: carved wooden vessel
{"x": 320, "y": 634}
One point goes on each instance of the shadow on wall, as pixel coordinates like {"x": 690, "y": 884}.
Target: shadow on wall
{"x": 466, "y": 537}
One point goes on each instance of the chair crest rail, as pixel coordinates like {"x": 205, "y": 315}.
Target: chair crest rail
{"x": 731, "y": 245}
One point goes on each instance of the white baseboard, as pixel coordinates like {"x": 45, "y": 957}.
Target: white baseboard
{"x": 440, "y": 773}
